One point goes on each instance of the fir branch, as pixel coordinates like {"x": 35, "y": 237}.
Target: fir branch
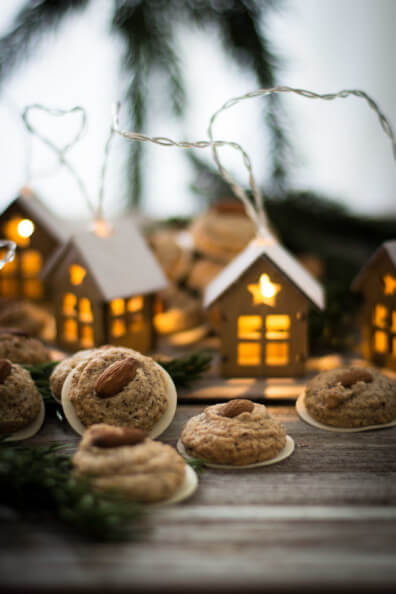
{"x": 41, "y": 479}
{"x": 196, "y": 464}
{"x": 40, "y": 375}
{"x": 186, "y": 369}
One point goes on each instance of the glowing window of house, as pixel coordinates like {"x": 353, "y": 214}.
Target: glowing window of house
{"x": 249, "y": 353}
{"x": 389, "y": 284}
{"x": 277, "y": 327}
{"x": 393, "y": 347}
{"x": 69, "y": 302}
{"x": 158, "y": 306}
{"x": 137, "y": 324}
{"x": 117, "y": 307}
{"x": 9, "y": 287}
{"x": 86, "y": 336}
{"x": 33, "y": 288}
{"x": 393, "y": 321}
{"x": 19, "y": 230}
{"x": 135, "y": 304}
{"x": 249, "y": 327}
{"x": 85, "y": 310}
{"x": 70, "y": 330}
{"x": 118, "y": 328}
{"x": 11, "y": 267}
{"x": 277, "y": 353}
{"x": 77, "y": 274}
{"x": 31, "y": 263}
{"x": 379, "y": 316}
{"x": 380, "y": 342}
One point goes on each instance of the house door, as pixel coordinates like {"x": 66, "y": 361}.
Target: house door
{"x": 383, "y": 336}
{"x": 263, "y": 342}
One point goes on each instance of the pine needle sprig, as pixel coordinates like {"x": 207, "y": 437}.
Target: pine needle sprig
{"x": 197, "y": 464}
{"x": 186, "y": 369}
{"x": 40, "y": 375}
{"x": 41, "y": 478}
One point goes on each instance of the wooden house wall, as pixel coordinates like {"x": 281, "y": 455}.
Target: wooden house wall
{"x": 41, "y": 240}
{"x": 238, "y": 300}
{"x": 373, "y": 294}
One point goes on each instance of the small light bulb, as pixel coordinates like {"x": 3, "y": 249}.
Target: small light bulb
{"x": 267, "y": 288}
{"x": 25, "y": 228}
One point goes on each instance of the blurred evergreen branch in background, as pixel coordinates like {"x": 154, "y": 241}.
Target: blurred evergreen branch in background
{"x": 148, "y": 31}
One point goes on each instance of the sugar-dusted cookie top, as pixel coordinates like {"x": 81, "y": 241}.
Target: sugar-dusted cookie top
{"x": 239, "y": 432}
{"x": 20, "y": 401}
{"x": 351, "y": 397}
{"x": 127, "y": 461}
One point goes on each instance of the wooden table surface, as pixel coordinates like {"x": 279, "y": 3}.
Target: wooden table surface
{"x": 323, "y": 519}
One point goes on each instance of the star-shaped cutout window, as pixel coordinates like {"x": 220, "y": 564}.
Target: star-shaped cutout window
{"x": 265, "y": 291}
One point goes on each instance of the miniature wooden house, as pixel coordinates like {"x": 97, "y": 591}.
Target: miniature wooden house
{"x": 261, "y": 300}
{"x": 377, "y": 283}
{"x": 103, "y": 289}
{"x": 37, "y": 233}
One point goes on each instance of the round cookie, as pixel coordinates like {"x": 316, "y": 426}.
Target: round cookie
{"x": 174, "y": 258}
{"x": 222, "y": 236}
{"x": 120, "y": 387}
{"x": 128, "y": 462}
{"x": 351, "y": 398}
{"x": 18, "y": 347}
{"x": 238, "y": 434}
{"x": 21, "y": 406}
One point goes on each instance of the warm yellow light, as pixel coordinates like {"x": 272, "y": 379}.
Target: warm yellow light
{"x": 380, "y": 315}
{"x": 85, "y": 310}
{"x": 102, "y": 228}
{"x": 70, "y": 331}
{"x": 277, "y": 326}
{"x": 86, "y": 339}
{"x": 380, "y": 342}
{"x": 389, "y": 284}
{"x": 267, "y": 288}
{"x": 277, "y": 353}
{"x": 249, "y": 327}
{"x": 117, "y": 307}
{"x": 32, "y": 263}
{"x": 264, "y": 291}
{"x": 25, "y": 228}
{"x": 118, "y": 328}
{"x": 77, "y": 274}
{"x": 11, "y": 231}
{"x": 33, "y": 288}
{"x": 249, "y": 353}
{"x": 69, "y": 304}
{"x": 135, "y": 303}
{"x": 137, "y": 324}
{"x": 394, "y": 322}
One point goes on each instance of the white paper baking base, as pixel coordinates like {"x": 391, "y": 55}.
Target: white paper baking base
{"x": 285, "y": 453}
{"x": 188, "y": 487}
{"x": 31, "y": 429}
{"x": 305, "y": 416}
{"x": 158, "y": 428}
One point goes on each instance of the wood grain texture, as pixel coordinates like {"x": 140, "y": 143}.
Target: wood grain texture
{"x": 323, "y": 519}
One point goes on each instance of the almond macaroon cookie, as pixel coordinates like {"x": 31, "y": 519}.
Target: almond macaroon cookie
{"x": 21, "y": 406}
{"x": 240, "y": 434}
{"x": 127, "y": 461}
{"x": 119, "y": 387}
{"x": 18, "y": 347}
{"x": 352, "y": 398}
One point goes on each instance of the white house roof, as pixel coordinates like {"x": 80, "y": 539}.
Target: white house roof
{"x": 38, "y": 211}
{"x": 388, "y": 247}
{"x": 280, "y": 257}
{"x": 121, "y": 264}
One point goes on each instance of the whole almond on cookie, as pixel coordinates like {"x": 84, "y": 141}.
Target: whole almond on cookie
{"x": 236, "y": 407}
{"x": 120, "y": 436}
{"x": 116, "y": 377}
{"x": 5, "y": 370}
{"x": 354, "y": 375}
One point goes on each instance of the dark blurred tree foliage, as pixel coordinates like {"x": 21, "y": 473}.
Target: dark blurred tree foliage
{"x": 147, "y": 28}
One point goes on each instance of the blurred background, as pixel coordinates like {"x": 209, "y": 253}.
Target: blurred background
{"x": 172, "y": 64}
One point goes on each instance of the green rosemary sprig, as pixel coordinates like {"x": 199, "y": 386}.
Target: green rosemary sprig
{"x": 197, "y": 464}
{"x": 41, "y": 478}
{"x": 40, "y": 375}
{"x": 186, "y": 369}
